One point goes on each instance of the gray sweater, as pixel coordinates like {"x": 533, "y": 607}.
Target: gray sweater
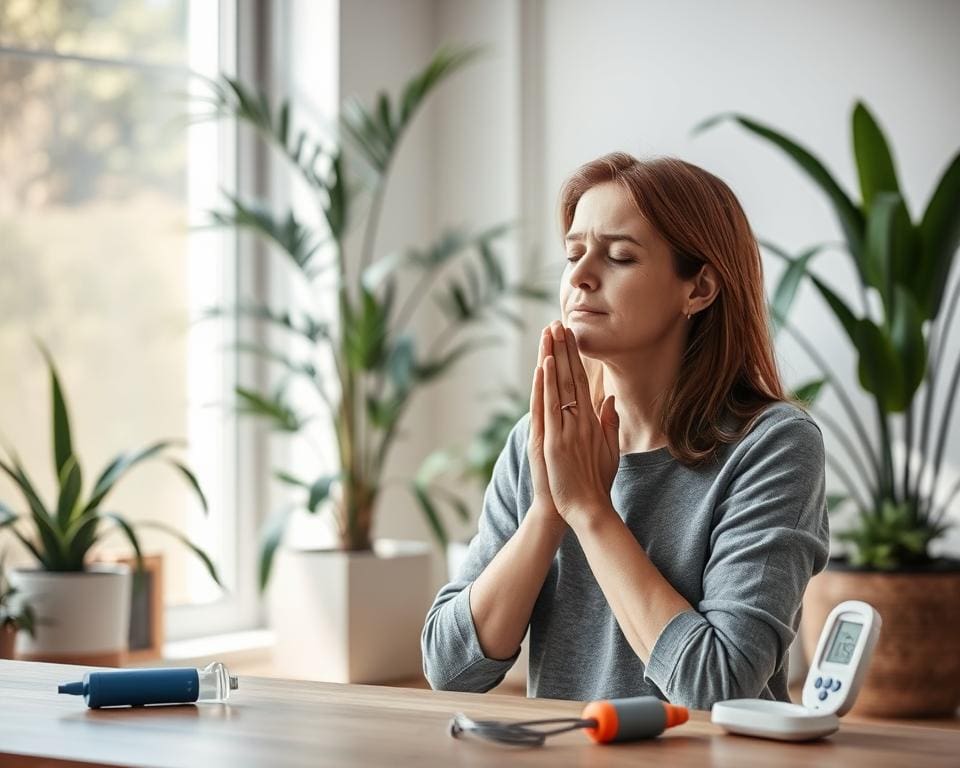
{"x": 739, "y": 538}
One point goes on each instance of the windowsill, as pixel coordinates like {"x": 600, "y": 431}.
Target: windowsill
{"x": 244, "y": 651}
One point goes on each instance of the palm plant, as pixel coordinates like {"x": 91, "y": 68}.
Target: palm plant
{"x": 908, "y": 265}
{"x": 360, "y": 330}
{"x": 64, "y": 533}
{"x": 474, "y": 463}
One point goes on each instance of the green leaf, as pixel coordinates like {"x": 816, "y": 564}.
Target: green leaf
{"x": 62, "y": 444}
{"x": 50, "y": 536}
{"x": 289, "y": 479}
{"x": 365, "y": 339}
{"x": 375, "y": 134}
{"x": 444, "y": 63}
{"x": 849, "y": 215}
{"x": 119, "y": 467}
{"x": 70, "y": 481}
{"x": 296, "y": 367}
{"x": 834, "y": 500}
{"x": 319, "y": 491}
{"x": 127, "y": 531}
{"x": 841, "y": 311}
{"x": 880, "y": 267}
{"x": 430, "y": 512}
{"x": 294, "y": 239}
{"x": 458, "y": 306}
{"x": 786, "y": 290}
{"x": 383, "y": 116}
{"x": 7, "y": 517}
{"x": 336, "y": 207}
{"x": 231, "y": 97}
{"x": 384, "y": 412}
{"x": 874, "y": 160}
{"x": 493, "y": 266}
{"x": 271, "y": 538}
{"x": 402, "y": 363}
{"x": 809, "y": 391}
{"x": 909, "y": 345}
{"x": 879, "y": 368}
{"x": 939, "y": 238}
{"x": 274, "y": 408}
{"x": 306, "y": 326}
{"x": 193, "y": 482}
{"x": 204, "y": 557}
{"x": 7, "y": 520}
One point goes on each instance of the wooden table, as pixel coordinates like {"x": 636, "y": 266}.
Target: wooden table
{"x": 280, "y": 723}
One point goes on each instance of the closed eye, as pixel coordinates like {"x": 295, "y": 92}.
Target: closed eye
{"x": 575, "y": 257}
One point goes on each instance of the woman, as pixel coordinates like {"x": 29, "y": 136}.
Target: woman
{"x": 657, "y": 516}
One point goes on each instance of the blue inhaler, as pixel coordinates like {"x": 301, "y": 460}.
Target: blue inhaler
{"x": 137, "y": 687}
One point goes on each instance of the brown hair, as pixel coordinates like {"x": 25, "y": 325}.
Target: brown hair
{"x": 728, "y": 368}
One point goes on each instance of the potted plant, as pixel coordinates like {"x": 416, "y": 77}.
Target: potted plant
{"x": 82, "y": 608}
{"x": 13, "y": 618}
{"x": 900, "y": 499}
{"x": 352, "y": 345}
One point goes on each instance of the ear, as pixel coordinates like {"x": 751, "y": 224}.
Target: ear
{"x": 704, "y": 288}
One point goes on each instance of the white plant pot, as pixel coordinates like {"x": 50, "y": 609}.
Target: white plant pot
{"x": 350, "y": 617}
{"x": 456, "y": 555}
{"x": 82, "y": 618}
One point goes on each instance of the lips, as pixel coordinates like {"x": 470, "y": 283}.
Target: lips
{"x": 588, "y": 309}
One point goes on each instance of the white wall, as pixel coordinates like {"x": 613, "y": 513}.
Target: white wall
{"x": 564, "y": 81}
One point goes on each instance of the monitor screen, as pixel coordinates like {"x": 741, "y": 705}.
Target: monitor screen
{"x": 844, "y": 641}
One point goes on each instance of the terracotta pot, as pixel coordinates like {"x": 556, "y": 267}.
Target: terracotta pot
{"x": 8, "y": 636}
{"x": 915, "y": 670}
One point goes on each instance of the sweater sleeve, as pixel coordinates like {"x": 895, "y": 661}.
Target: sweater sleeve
{"x": 452, "y": 657}
{"x": 770, "y": 536}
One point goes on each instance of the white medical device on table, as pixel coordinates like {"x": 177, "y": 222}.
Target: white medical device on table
{"x": 838, "y": 669}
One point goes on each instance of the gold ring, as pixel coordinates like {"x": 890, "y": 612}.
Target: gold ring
{"x": 568, "y": 405}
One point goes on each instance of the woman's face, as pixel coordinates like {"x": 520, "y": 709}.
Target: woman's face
{"x": 619, "y": 292}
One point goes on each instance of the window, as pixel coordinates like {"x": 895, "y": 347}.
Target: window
{"x": 102, "y": 179}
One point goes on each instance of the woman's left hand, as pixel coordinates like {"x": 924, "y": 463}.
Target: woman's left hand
{"x": 581, "y": 447}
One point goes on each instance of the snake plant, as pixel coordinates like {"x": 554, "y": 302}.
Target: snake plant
{"x": 351, "y": 342}
{"x": 907, "y": 264}
{"x": 60, "y": 535}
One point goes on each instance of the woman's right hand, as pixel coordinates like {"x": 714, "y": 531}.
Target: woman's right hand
{"x": 543, "y": 505}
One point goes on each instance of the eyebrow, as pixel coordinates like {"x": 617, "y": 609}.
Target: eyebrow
{"x": 605, "y": 237}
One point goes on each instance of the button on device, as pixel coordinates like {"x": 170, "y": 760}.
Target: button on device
{"x": 822, "y": 695}
{"x": 836, "y": 685}
{"x": 818, "y": 683}
{"x": 828, "y": 682}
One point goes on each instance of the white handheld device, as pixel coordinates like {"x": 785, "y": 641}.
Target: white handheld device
{"x": 836, "y": 673}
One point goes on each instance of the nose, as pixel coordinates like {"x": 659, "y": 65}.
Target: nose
{"x": 583, "y": 275}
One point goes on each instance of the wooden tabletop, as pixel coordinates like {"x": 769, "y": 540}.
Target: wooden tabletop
{"x": 281, "y": 723}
